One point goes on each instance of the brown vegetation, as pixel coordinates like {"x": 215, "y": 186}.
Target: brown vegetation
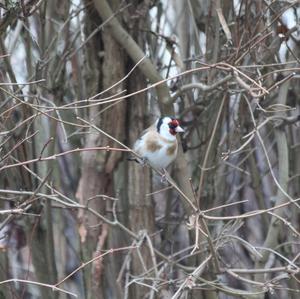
{"x": 80, "y": 81}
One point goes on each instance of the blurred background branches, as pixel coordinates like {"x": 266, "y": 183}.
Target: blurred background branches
{"x": 80, "y": 80}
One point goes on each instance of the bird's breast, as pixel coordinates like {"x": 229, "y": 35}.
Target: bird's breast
{"x": 153, "y": 146}
{"x": 161, "y": 155}
{"x": 171, "y": 150}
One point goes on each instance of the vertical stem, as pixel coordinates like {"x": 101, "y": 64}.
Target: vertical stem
{"x": 283, "y": 176}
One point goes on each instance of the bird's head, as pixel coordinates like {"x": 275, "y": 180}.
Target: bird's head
{"x": 168, "y": 125}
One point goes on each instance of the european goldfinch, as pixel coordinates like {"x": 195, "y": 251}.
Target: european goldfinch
{"x": 158, "y": 144}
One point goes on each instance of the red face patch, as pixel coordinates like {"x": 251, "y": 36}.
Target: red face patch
{"x": 173, "y": 125}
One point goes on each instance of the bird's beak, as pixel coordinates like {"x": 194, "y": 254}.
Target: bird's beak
{"x": 178, "y": 129}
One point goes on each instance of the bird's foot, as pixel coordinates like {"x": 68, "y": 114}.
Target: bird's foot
{"x": 144, "y": 161}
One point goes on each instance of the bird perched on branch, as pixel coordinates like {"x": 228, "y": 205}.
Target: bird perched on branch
{"x": 158, "y": 144}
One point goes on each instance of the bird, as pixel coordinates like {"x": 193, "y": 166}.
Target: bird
{"x": 158, "y": 145}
